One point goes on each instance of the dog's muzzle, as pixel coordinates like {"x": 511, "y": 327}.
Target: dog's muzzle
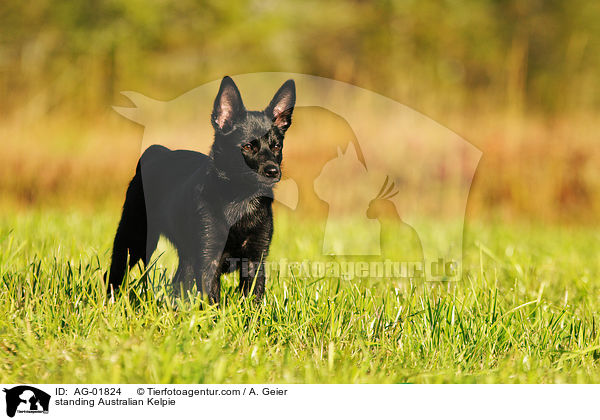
{"x": 271, "y": 171}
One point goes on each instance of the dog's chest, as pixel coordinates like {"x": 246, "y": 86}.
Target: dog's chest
{"x": 246, "y": 211}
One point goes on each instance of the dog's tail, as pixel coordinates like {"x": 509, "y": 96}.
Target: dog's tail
{"x": 118, "y": 263}
{"x": 131, "y": 233}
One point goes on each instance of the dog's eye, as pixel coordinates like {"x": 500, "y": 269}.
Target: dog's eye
{"x": 247, "y": 147}
{"x": 277, "y": 147}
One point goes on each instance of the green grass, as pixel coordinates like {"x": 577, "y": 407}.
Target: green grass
{"x": 524, "y": 312}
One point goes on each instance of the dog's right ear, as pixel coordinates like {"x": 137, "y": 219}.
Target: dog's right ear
{"x": 228, "y": 108}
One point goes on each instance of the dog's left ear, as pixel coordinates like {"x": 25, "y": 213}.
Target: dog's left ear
{"x": 282, "y": 106}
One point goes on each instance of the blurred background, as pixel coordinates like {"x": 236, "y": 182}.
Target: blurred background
{"x": 519, "y": 80}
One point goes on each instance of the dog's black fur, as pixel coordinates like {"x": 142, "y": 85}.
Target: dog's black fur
{"x": 215, "y": 209}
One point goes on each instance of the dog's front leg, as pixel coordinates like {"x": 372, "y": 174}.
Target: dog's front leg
{"x": 208, "y": 280}
{"x": 252, "y": 278}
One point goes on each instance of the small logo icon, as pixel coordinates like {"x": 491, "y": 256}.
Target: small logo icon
{"x": 26, "y": 399}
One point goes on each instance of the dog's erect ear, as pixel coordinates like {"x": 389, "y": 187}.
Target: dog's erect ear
{"x": 228, "y": 107}
{"x": 282, "y": 106}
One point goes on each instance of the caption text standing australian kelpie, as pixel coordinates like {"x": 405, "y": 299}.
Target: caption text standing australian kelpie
{"x": 216, "y": 209}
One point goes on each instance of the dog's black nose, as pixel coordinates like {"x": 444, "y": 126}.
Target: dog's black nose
{"x": 271, "y": 171}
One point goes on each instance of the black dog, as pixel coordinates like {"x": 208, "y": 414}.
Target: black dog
{"x": 216, "y": 209}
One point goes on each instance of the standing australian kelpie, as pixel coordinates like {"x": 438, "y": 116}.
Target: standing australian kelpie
{"x": 216, "y": 209}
